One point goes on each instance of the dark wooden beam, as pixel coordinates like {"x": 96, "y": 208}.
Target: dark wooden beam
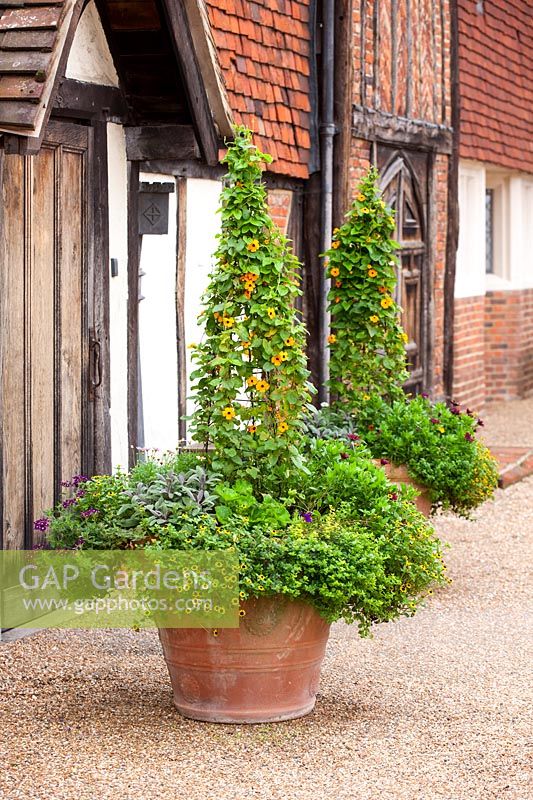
{"x": 181, "y": 258}
{"x": 2, "y": 399}
{"x": 377, "y": 125}
{"x": 98, "y": 259}
{"x": 344, "y": 79}
{"x": 197, "y": 95}
{"x": 452, "y": 236}
{"x": 153, "y": 142}
{"x": 81, "y": 100}
{"x": 134, "y": 261}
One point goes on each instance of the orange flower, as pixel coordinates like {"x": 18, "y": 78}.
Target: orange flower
{"x": 262, "y": 386}
{"x": 386, "y": 302}
{"x": 252, "y": 381}
{"x": 276, "y": 360}
{"x": 361, "y": 197}
{"x": 338, "y": 284}
{"x": 374, "y": 318}
{"x": 335, "y": 272}
{"x": 382, "y": 289}
{"x": 248, "y": 295}
{"x": 335, "y": 245}
{"x": 282, "y": 427}
{"x": 332, "y": 338}
{"x": 372, "y": 273}
{"x": 253, "y": 246}
{"x": 252, "y": 428}
{"x": 337, "y": 299}
{"x": 290, "y": 342}
{"x": 228, "y": 413}
{"x": 249, "y": 286}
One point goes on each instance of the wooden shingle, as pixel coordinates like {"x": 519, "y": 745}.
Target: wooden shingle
{"x": 32, "y": 38}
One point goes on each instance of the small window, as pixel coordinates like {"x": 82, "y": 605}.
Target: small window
{"x": 489, "y": 231}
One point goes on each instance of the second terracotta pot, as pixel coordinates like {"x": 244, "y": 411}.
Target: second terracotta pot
{"x": 267, "y": 670}
{"x": 401, "y": 475}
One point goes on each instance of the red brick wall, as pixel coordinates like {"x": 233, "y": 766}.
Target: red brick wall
{"x": 279, "y": 203}
{"x": 427, "y": 83}
{"x": 469, "y": 355}
{"x": 496, "y": 90}
{"x": 428, "y": 86}
{"x": 493, "y": 342}
{"x": 509, "y": 344}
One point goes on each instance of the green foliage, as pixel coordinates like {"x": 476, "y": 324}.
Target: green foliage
{"x": 349, "y": 543}
{"x": 437, "y": 444}
{"x": 308, "y": 517}
{"x": 251, "y": 377}
{"x": 367, "y": 342}
{"x": 238, "y": 500}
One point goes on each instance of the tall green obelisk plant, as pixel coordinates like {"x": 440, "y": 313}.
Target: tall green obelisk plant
{"x": 251, "y": 379}
{"x": 367, "y": 342}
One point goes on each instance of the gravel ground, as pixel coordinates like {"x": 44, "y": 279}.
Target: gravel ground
{"x": 509, "y": 424}
{"x": 438, "y": 706}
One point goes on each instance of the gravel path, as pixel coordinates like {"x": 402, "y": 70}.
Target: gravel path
{"x": 509, "y": 424}
{"x": 438, "y": 706}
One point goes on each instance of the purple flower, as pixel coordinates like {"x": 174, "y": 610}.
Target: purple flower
{"x": 344, "y": 456}
{"x": 434, "y": 421}
{"x": 455, "y": 410}
{"x": 425, "y": 395}
{"x": 454, "y": 403}
{"x": 81, "y": 493}
{"x": 77, "y": 479}
{"x": 353, "y": 437}
{"x": 306, "y": 516}
{"x": 41, "y": 524}
{"x": 41, "y": 546}
{"x": 68, "y": 503}
{"x": 480, "y": 423}
{"x": 469, "y": 437}
{"x": 89, "y": 513}
{"x": 80, "y": 541}
{"x": 384, "y": 462}
{"x": 66, "y": 484}
{"x": 393, "y": 495}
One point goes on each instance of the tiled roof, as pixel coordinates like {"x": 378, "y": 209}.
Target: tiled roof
{"x": 264, "y": 48}
{"x": 32, "y": 38}
{"x": 496, "y": 89}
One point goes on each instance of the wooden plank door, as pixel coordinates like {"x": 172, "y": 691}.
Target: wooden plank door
{"x": 45, "y": 319}
{"x": 404, "y": 181}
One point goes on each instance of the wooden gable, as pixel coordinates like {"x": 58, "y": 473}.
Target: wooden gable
{"x": 162, "y": 52}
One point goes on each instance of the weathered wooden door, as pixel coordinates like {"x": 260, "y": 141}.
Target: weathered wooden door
{"x": 404, "y": 180}
{"x": 45, "y": 320}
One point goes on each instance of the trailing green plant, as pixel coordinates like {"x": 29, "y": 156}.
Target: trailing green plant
{"x": 437, "y": 443}
{"x": 251, "y": 378}
{"x": 367, "y": 342}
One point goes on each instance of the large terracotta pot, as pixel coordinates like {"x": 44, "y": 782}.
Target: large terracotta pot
{"x": 401, "y": 475}
{"x": 267, "y": 670}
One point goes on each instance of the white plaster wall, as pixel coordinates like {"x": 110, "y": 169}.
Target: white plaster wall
{"x": 470, "y": 271}
{"x": 157, "y": 332}
{"x": 513, "y": 231}
{"x": 203, "y": 224}
{"x": 118, "y": 299}
{"x": 520, "y": 222}
{"x": 89, "y": 58}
